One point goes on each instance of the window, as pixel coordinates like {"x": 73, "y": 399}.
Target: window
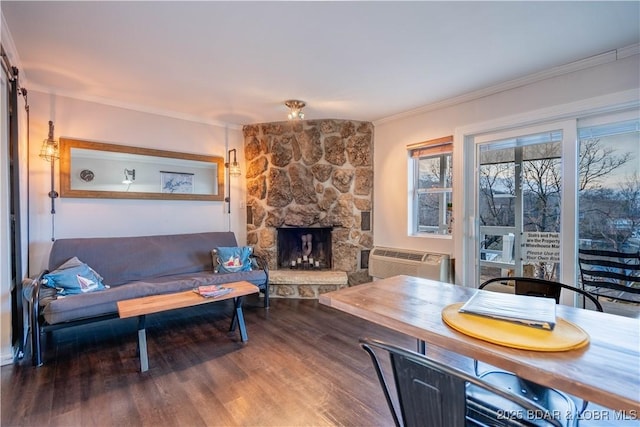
{"x": 432, "y": 182}
{"x": 609, "y": 185}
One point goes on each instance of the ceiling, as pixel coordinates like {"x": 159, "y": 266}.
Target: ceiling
{"x": 237, "y": 62}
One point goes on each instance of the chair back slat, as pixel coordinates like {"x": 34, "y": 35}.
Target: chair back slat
{"x": 620, "y": 278}
{"x": 610, "y": 254}
{"x": 603, "y": 262}
{"x": 537, "y": 289}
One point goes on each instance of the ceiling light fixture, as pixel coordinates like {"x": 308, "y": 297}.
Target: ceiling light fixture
{"x": 296, "y": 109}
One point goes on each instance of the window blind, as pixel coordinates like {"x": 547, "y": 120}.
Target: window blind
{"x": 431, "y": 147}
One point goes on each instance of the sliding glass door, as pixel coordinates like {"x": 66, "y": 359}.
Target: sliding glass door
{"x": 543, "y": 192}
{"x": 519, "y": 204}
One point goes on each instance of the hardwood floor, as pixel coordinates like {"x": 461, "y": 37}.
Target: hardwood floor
{"x": 302, "y": 366}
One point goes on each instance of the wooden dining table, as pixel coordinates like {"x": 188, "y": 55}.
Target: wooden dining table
{"x": 606, "y": 371}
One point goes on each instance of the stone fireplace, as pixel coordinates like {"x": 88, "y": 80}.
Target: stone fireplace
{"x": 312, "y": 177}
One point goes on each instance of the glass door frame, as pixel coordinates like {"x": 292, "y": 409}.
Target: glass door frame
{"x": 568, "y": 192}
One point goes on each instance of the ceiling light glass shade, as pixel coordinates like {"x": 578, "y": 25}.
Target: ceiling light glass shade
{"x": 49, "y": 150}
{"x": 296, "y": 115}
{"x": 295, "y": 108}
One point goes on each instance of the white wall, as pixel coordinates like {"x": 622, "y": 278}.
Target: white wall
{"x": 123, "y": 217}
{"x": 390, "y": 211}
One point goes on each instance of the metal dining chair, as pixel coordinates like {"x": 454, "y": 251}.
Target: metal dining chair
{"x": 610, "y": 274}
{"x": 536, "y": 287}
{"x": 429, "y": 393}
{"x": 539, "y": 288}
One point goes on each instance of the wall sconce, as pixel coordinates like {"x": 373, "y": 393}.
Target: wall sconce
{"x": 295, "y": 108}
{"x": 234, "y": 170}
{"x": 129, "y": 176}
{"x": 50, "y": 152}
{"x": 234, "y": 167}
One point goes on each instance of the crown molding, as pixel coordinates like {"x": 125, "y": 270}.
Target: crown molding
{"x": 603, "y": 104}
{"x": 626, "y": 51}
{"x": 592, "y": 61}
{"x": 135, "y": 107}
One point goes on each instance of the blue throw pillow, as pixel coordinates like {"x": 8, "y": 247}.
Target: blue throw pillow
{"x": 76, "y": 279}
{"x": 232, "y": 259}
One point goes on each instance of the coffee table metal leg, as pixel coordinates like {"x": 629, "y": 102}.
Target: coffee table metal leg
{"x": 142, "y": 344}
{"x": 238, "y": 319}
{"x": 234, "y": 318}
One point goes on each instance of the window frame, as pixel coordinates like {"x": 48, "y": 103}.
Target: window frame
{"x": 440, "y": 148}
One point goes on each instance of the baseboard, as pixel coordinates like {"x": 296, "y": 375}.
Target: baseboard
{"x": 6, "y": 358}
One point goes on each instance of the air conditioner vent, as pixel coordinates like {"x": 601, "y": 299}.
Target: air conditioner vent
{"x": 388, "y": 253}
{"x": 387, "y": 262}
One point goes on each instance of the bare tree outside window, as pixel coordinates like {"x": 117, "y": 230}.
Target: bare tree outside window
{"x": 609, "y": 215}
{"x": 542, "y": 184}
{"x": 496, "y": 194}
{"x": 597, "y": 162}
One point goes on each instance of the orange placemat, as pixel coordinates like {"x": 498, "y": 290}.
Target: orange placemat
{"x": 565, "y": 336}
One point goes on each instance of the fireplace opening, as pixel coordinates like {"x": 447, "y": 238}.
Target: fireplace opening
{"x": 304, "y": 248}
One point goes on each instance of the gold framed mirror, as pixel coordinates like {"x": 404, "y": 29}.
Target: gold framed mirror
{"x": 91, "y": 169}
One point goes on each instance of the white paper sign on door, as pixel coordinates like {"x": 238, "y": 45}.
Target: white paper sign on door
{"x": 538, "y": 246}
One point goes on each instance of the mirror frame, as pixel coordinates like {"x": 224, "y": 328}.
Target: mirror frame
{"x": 66, "y": 144}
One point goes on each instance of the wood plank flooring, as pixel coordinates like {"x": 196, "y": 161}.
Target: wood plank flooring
{"x": 302, "y": 366}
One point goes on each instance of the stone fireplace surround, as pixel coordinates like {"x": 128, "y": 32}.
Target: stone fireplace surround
{"x": 313, "y": 173}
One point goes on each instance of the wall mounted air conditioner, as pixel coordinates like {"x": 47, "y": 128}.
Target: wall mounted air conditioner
{"x": 387, "y": 262}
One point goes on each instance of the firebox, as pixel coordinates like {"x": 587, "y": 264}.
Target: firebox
{"x": 304, "y": 248}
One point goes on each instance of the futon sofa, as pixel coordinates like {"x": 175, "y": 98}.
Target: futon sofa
{"x": 125, "y": 268}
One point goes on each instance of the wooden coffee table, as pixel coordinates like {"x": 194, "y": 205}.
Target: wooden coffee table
{"x": 140, "y": 307}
